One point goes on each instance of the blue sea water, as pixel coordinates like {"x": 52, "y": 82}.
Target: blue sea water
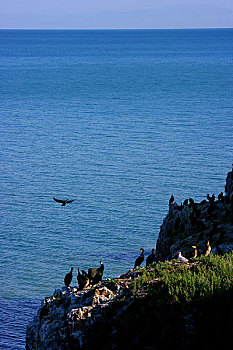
{"x": 118, "y": 121}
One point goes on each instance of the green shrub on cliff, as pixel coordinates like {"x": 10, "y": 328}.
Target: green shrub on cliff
{"x": 212, "y": 276}
{"x": 186, "y": 302}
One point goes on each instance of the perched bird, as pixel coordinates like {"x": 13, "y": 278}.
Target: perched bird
{"x": 64, "y": 202}
{"x": 195, "y": 251}
{"x": 151, "y": 258}
{"x": 180, "y": 207}
{"x": 83, "y": 279}
{"x": 220, "y": 197}
{"x": 182, "y": 258}
{"x": 208, "y": 249}
{"x": 98, "y": 277}
{"x": 210, "y": 199}
{"x": 140, "y": 259}
{"x": 171, "y": 200}
{"x": 191, "y": 201}
{"x": 95, "y": 274}
{"x": 68, "y": 277}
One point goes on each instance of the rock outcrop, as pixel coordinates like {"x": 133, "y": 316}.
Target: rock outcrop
{"x": 69, "y": 318}
{"x": 194, "y": 223}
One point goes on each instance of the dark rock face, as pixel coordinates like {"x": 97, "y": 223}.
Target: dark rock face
{"x": 194, "y": 224}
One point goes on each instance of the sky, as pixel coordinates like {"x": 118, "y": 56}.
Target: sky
{"x": 115, "y": 14}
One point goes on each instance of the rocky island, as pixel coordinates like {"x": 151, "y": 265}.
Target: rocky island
{"x": 168, "y": 303}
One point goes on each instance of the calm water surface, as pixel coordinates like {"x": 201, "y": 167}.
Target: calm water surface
{"x": 119, "y": 121}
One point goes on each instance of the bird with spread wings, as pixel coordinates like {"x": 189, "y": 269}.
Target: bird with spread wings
{"x": 64, "y": 202}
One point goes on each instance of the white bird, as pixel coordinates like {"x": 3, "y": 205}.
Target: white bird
{"x": 182, "y": 258}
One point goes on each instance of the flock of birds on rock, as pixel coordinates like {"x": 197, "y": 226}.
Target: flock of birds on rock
{"x": 207, "y": 252}
{"x": 84, "y": 279}
{"x": 95, "y": 275}
{"x": 211, "y": 199}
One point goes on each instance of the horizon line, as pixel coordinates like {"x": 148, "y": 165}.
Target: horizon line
{"x": 192, "y": 28}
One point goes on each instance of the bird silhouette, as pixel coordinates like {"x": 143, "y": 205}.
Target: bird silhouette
{"x": 83, "y": 279}
{"x": 64, "y": 202}
{"x": 171, "y": 200}
{"x": 151, "y": 258}
{"x": 68, "y": 277}
{"x": 95, "y": 274}
{"x": 140, "y": 259}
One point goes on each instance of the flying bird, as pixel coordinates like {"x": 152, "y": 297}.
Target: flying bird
{"x": 64, "y": 202}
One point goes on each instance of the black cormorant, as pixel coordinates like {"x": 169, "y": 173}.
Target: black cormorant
{"x": 191, "y": 201}
{"x": 68, "y": 277}
{"x": 95, "y": 274}
{"x": 98, "y": 277}
{"x": 83, "y": 279}
{"x": 64, "y": 202}
{"x": 220, "y": 197}
{"x": 140, "y": 259}
{"x": 151, "y": 258}
{"x": 171, "y": 200}
{"x": 210, "y": 199}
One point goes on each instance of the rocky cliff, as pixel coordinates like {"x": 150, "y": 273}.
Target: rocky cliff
{"x": 72, "y": 319}
{"x": 130, "y": 311}
{"x": 194, "y": 223}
